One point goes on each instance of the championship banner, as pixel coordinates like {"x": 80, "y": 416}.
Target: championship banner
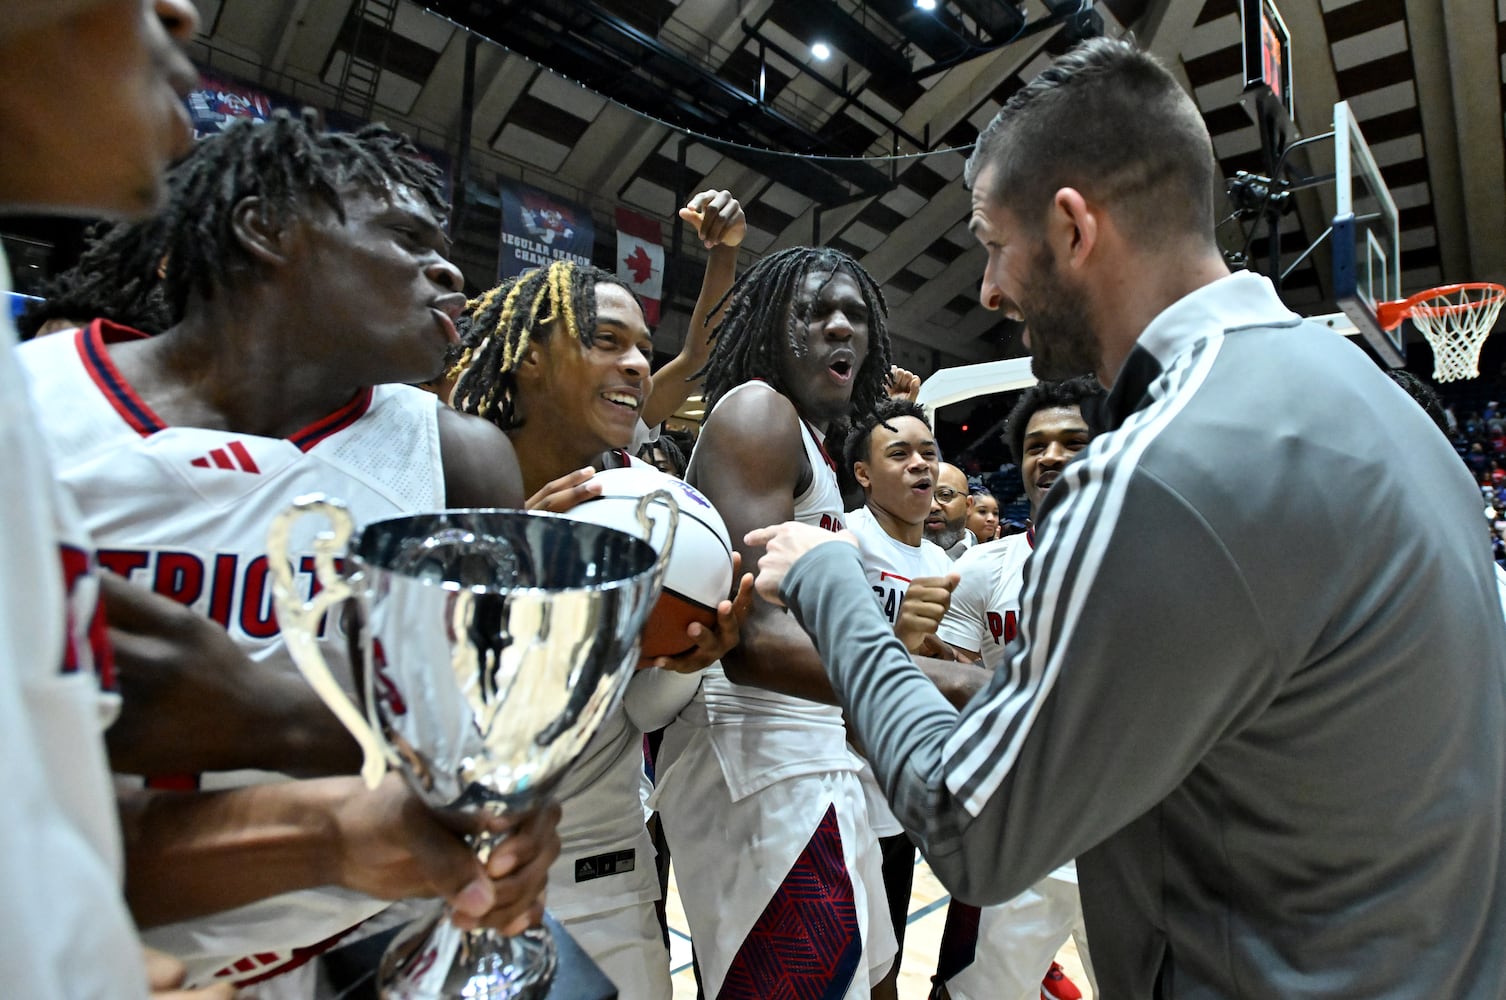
{"x": 216, "y": 102}
{"x": 640, "y": 259}
{"x": 539, "y": 228}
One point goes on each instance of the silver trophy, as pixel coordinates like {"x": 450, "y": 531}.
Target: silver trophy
{"x": 486, "y": 647}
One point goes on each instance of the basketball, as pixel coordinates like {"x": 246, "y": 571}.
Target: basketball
{"x": 699, "y": 575}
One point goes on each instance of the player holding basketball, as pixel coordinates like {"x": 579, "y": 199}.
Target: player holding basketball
{"x": 558, "y": 358}
{"x": 1001, "y": 951}
{"x": 179, "y": 454}
{"x": 1268, "y": 747}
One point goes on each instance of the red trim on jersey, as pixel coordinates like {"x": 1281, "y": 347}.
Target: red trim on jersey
{"x": 1030, "y": 536}
{"x": 820, "y": 445}
{"x": 336, "y": 422}
{"x": 91, "y": 341}
{"x": 243, "y": 455}
{"x": 296, "y": 958}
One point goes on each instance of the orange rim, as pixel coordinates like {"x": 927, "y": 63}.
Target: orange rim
{"x": 1390, "y": 314}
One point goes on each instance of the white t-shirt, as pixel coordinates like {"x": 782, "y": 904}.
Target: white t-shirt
{"x": 890, "y": 565}
{"x": 985, "y": 610}
{"x": 64, "y": 927}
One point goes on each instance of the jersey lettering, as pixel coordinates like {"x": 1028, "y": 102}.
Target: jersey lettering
{"x": 237, "y": 597}
{"x": 77, "y": 566}
{"x": 830, "y": 522}
{"x": 1003, "y": 627}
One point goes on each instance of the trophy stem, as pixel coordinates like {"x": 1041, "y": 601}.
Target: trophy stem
{"x": 432, "y": 959}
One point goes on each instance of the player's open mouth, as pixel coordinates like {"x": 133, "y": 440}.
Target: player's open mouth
{"x": 921, "y": 486}
{"x": 623, "y": 399}
{"x": 841, "y": 369}
{"x": 1044, "y": 482}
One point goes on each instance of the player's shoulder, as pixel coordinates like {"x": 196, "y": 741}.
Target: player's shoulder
{"x": 480, "y": 465}
{"x": 753, "y": 409}
{"x": 935, "y": 557}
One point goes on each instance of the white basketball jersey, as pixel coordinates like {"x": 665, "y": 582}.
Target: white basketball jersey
{"x": 606, "y": 856}
{"x": 985, "y": 610}
{"x": 795, "y": 736}
{"x": 184, "y": 511}
{"x": 64, "y": 928}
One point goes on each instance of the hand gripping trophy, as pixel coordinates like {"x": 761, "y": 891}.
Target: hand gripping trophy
{"x": 485, "y": 649}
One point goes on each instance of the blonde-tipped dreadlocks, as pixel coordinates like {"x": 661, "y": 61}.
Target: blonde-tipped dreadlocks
{"x": 500, "y": 325}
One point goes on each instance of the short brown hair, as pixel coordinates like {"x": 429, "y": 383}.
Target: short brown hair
{"x": 1107, "y": 119}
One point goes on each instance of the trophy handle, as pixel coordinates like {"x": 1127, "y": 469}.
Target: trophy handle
{"x": 646, "y": 523}
{"x": 299, "y": 620}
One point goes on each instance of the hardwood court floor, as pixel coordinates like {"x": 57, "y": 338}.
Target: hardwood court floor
{"x": 927, "y": 918}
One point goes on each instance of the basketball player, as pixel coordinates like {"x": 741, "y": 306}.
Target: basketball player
{"x": 893, "y": 455}
{"x": 983, "y": 519}
{"x": 951, "y": 506}
{"x": 1218, "y": 703}
{"x": 558, "y": 358}
{"x": 757, "y": 789}
{"x": 64, "y": 931}
{"x": 1002, "y": 950}
{"x": 179, "y": 452}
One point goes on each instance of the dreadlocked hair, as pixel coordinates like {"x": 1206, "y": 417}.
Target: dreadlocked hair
{"x": 289, "y": 163}
{"x": 117, "y": 278}
{"x": 760, "y": 305}
{"x": 499, "y": 326}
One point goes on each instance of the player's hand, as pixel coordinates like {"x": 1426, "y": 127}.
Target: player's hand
{"x": 717, "y": 218}
{"x": 783, "y": 544}
{"x": 922, "y": 608}
{"x": 392, "y": 846}
{"x": 902, "y": 384}
{"x": 165, "y": 974}
{"x": 711, "y": 644}
{"x": 559, "y": 495}
{"x": 192, "y": 701}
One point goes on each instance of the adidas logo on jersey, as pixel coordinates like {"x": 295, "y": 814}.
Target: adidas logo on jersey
{"x": 233, "y": 457}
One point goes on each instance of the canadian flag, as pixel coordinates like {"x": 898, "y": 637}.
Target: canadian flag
{"x": 640, "y": 259}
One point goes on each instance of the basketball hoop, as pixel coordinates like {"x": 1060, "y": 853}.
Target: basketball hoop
{"x": 1456, "y": 319}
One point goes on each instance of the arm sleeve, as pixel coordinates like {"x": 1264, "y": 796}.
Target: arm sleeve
{"x": 1116, "y": 692}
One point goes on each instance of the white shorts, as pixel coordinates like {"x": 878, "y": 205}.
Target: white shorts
{"x": 1018, "y": 941}
{"x": 629, "y": 947}
{"x": 732, "y": 859}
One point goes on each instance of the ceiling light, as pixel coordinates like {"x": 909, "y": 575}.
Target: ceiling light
{"x": 926, "y": 4}
{"x": 821, "y": 50}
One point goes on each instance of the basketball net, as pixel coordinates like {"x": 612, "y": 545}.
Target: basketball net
{"x": 1455, "y": 319}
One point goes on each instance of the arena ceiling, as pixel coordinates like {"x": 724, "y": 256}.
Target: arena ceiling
{"x": 559, "y": 107}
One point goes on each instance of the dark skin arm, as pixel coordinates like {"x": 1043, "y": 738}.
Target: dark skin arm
{"x": 750, "y": 464}
{"x": 480, "y": 466}
{"x": 720, "y": 226}
{"x": 171, "y": 662}
{"x": 193, "y": 854}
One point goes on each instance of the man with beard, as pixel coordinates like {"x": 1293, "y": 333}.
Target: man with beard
{"x": 1002, "y": 950}
{"x": 1268, "y": 746}
{"x": 951, "y": 503}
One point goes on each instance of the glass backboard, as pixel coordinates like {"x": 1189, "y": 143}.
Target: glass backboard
{"x": 1366, "y": 238}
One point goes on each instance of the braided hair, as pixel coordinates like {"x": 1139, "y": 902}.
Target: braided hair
{"x": 499, "y": 326}
{"x": 118, "y": 278}
{"x": 761, "y": 304}
{"x": 288, "y": 162}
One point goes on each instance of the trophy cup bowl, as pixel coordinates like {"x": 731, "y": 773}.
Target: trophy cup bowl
{"x": 486, "y": 647}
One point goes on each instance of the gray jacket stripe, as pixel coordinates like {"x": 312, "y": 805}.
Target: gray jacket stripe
{"x": 986, "y": 743}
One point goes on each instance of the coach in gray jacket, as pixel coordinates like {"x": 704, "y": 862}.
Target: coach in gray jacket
{"x": 1264, "y": 709}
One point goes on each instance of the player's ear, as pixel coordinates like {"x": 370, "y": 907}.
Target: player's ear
{"x": 1072, "y": 226}
{"x": 860, "y": 473}
{"x": 257, "y": 234}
